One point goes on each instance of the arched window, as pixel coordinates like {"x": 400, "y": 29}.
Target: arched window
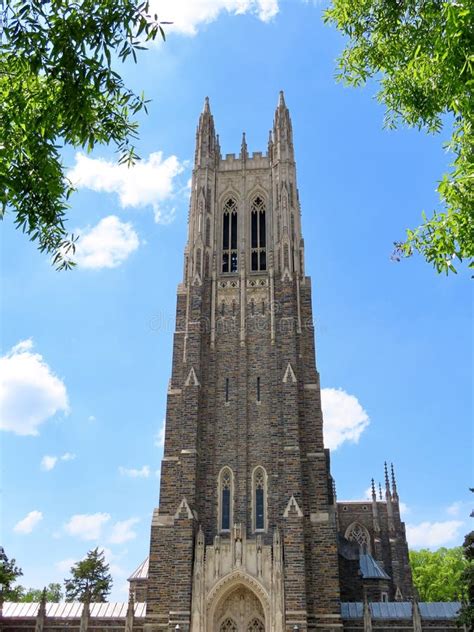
{"x": 229, "y": 237}
{"x": 358, "y": 533}
{"x": 228, "y": 625}
{"x": 259, "y": 485}
{"x": 258, "y": 235}
{"x": 226, "y": 489}
{"x": 255, "y": 626}
{"x": 208, "y": 232}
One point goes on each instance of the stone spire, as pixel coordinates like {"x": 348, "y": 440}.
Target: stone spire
{"x": 270, "y": 145}
{"x": 283, "y": 132}
{"x": 394, "y": 483}
{"x": 86, "y": 613}
{"x": 206, "y": 144}
{"x": 388, "y": 498}
{"x": 367, "y": 614}
{"x": 388, "y": 495}
{"x": 41, "y": 616}
{"x": 129, "y": 617}
{"x": 375, "y": 513}
{"x": 243, "y": 148}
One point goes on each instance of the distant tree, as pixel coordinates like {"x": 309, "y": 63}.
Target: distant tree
{"x": 420, "y": 52}
{"x": 437, "y": 575}
{"x": 90, "y": 578}
{"x": 9, "y": 574}
{"x": 53, "y": 594}
{"x": 59, "y": 87}
{"x": 466, "y": 616}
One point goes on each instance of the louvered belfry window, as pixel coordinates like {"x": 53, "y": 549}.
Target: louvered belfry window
{"x": 258, "y": 235}
{"x": 229, "y": 237}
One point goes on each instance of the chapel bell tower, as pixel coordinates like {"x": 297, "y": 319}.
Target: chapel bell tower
{"x": 244, "y": 539}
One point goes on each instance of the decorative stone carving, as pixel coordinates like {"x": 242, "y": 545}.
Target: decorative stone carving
{"x": 238, "y": 582}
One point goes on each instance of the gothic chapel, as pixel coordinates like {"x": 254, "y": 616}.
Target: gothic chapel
{"x": 248, "y": 535}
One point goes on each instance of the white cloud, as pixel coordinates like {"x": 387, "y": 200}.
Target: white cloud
{"x": 86, "y": 526}
{"x": 49, "y": 462}
{"x": 122, "y": 531}
{"x": 434, "y": 534}
{"x": 455, "y": 508}
{"x": 30, "y": 393}
{"x": 404, "y": 509}
{"x": 147, "y": 183}
{"x": 159, "y": 439}
{"x": 344, "y": 417}
{"x": 64, "y": 566}
{"x": 91, "y": 418}
{"x": 188, "y": 16}
{"x": 106, "y": 245}
{"x": 68, "y": 456}
{"x": 143, "y": 472}
{"x": 29, "y": 522}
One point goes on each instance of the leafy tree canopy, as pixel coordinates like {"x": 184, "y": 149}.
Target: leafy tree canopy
{"x": 438, "y": 575}
{"x": 421, "y": 53}
{"x": 90, "y": 578}
{"x": 466, "y": 616}
{"x": 58, "y": 87}
{"x": 53, "y": 594}
{"x": 9, "y": 573}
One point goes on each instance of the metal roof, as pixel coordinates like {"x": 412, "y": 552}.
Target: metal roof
{"x": 370, "y": 569}
{"x": 400, "y": 610}
{"x": 72, "y": 610}
{"x": 439, "y": 609}
{"x": 141, "y": 572}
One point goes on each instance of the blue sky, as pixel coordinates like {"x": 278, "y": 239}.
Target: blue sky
{"x": 87, "y": 353}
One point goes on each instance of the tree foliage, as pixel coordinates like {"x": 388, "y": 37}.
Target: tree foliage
{"x": 58, "y": 87}
{"x": 9, "y": 573}
{"x": 90, "y": 578}
{"x": 53, "y": 594}
{"x": 438, "y": 575}
{"x": 466, "y": 616}
{"x": 421, "y": 53}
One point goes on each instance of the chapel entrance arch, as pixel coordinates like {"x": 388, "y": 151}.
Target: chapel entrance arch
{"x": 238, "y": 609}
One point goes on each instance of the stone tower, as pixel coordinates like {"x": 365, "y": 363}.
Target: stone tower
{"x": 244, "y": 538}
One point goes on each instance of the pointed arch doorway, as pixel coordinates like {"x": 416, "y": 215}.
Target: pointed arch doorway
{"x": 239, "y": 610}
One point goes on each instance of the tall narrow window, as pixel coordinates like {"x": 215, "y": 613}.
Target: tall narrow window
{"x": 258, "y": 389}
{"x": 229, "y": 237}
{"x": 259, "y": 499}
{"x": 258, "y": 236}
{"x": 225, "y": 499}
{"x": 226, "y": 389}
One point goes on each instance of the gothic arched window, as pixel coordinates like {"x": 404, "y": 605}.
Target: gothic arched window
{"x": 258, "y": 235}
{"x": 229, "y": 237}
{"x": 256, "y": 626}
{"x": 226, "y": 488}
{"x": 259, "y": 485}
{"x": 228, "y": 625}
{"x": 358, "y": 533}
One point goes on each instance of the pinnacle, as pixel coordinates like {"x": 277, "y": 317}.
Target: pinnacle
{"x": 281, "y": 100}
{"x": 206, "y": 105}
